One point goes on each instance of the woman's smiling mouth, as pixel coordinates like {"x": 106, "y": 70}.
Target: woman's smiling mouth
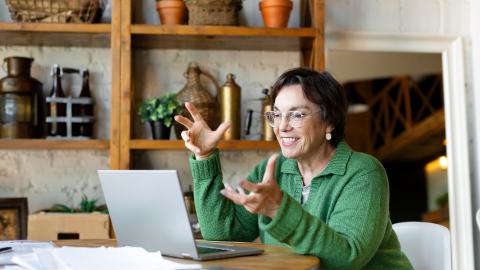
{"x": 289, "y": 141}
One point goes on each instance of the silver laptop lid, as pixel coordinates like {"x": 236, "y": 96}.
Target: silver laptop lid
{"x": 147, "y": 210}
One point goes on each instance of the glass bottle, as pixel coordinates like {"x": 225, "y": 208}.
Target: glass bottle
{"x": 57, "y": 109}
{"x": 84, "y": 128}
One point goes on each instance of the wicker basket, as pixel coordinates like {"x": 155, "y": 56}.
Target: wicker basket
{"x": 58, "y": 11}
{"x": 213, "y": 12}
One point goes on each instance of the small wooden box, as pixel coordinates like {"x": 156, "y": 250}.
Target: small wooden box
{"x": 57, "y": 226}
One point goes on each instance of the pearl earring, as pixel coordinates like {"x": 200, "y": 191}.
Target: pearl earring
{"x": 328, "y": 136}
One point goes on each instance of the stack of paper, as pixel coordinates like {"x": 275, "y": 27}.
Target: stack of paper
{"x": 20, "y": 247}
{"x": 79, "y": 258}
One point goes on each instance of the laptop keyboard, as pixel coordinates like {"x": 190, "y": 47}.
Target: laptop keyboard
{"x": 209, "y": 250}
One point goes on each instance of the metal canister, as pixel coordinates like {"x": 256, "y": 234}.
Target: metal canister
{"x": 267, "y": 131}
{"x": 230, "y": 97}
{"x": 20, "y": 101}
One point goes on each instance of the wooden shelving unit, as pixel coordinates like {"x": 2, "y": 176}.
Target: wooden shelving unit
{"x": 307, "y": 40}
{"x": 122, "y": 37}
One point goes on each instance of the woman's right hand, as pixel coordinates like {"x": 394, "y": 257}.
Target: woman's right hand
{"x": 198, "y": 137}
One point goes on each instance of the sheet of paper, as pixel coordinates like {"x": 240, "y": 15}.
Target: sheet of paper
{"x": 115, "y": 258}
{"x": 79, "y": 258}
{"x": 21, "y": 247}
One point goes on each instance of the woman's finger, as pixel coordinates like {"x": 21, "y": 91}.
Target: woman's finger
{"x": 184, "y": 121}
{"x": 185, "y": 136}
{"x": 270, "y": 170}
{"x": 249, "y": 186}
{"x": 193, "y": 111}
{"x": 192, "y": 147}
{"x": 235, "y": 197}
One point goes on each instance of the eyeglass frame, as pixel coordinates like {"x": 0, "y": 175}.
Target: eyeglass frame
{"x": 285, "y": 114}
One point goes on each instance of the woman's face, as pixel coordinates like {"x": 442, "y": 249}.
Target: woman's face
{"x": 306, "y": 140}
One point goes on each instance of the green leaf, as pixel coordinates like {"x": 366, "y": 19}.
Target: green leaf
{"x": 86, "y": 205}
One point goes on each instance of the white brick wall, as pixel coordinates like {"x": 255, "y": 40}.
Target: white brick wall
{"x": 51, "y": 176}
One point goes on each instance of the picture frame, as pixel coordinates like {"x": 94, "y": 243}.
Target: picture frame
{"x": 13, "y": 218}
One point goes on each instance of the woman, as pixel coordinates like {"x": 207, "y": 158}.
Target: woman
{"x": 318, "y": 196}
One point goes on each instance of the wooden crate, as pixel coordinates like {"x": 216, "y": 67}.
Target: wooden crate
{"x": 57, "y": 226}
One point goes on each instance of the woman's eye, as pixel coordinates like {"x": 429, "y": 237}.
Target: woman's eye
{"x": 297, "y": 115}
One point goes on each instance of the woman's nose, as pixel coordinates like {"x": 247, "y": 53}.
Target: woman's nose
{"x": 284, "y": 123}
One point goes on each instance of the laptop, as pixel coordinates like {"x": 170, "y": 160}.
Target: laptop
{"x": 147, "y": 210}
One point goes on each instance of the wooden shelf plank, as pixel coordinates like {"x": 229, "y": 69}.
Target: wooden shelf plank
{"x": 56, "y": 27}
{"x": 55, "y": 34}
{"x": 224, "y": 145}
{"x": 37, "y": 144}
{"x": 222, "y": 37}
{"x": 205, "y": 30}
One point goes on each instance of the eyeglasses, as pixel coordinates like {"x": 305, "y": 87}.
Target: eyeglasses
{"x": 294, "y": 118}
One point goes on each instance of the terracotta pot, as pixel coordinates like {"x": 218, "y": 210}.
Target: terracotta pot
{"x": 276, "y": 13}
{"x": 171, "y": 12}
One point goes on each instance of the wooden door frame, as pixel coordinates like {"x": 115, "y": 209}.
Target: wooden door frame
{"x": 459, "y": 180}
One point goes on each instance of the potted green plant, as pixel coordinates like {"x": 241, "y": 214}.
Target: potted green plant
{"x": 159, "y": 113}
{"x": 86, "y": 206}
{"x": 87, "y": 221}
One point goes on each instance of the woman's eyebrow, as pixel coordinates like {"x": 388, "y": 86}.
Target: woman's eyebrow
{"x": 294, "y": 108}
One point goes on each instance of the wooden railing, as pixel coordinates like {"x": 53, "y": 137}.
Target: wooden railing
{"x": 403, "y": 110}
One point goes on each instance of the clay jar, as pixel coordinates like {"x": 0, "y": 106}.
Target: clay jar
{"x": 276, "y": 13}
{"x": 171, "y": 12}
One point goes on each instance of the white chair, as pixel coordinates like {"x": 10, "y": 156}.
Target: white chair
{"x": 427, "y": 245}
{"x": 478, "y": 219}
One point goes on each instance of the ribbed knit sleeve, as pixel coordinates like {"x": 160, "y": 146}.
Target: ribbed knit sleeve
{"x": 219, "y": 218}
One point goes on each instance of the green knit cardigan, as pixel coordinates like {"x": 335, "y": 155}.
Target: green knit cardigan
{"x": 345, "y": 221}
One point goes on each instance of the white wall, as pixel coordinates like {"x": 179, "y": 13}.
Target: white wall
{"x": 349, "y": 66}
{"x": 4, "y": 15}
{"x": 475, "y": 59}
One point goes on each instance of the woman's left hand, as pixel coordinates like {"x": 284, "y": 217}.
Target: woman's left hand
{"x": 264, "y": 198}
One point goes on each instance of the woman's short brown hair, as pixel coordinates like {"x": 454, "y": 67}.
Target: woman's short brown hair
{"x": 322, "y": 89}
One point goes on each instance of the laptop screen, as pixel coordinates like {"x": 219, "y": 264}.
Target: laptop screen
{"x": 147, "y": 210}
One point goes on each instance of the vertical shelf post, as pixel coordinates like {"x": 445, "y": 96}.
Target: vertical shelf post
{"x": 318, "y": 23}
{"x": 115, "y": 46}
{"x": 126, "y": 91}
